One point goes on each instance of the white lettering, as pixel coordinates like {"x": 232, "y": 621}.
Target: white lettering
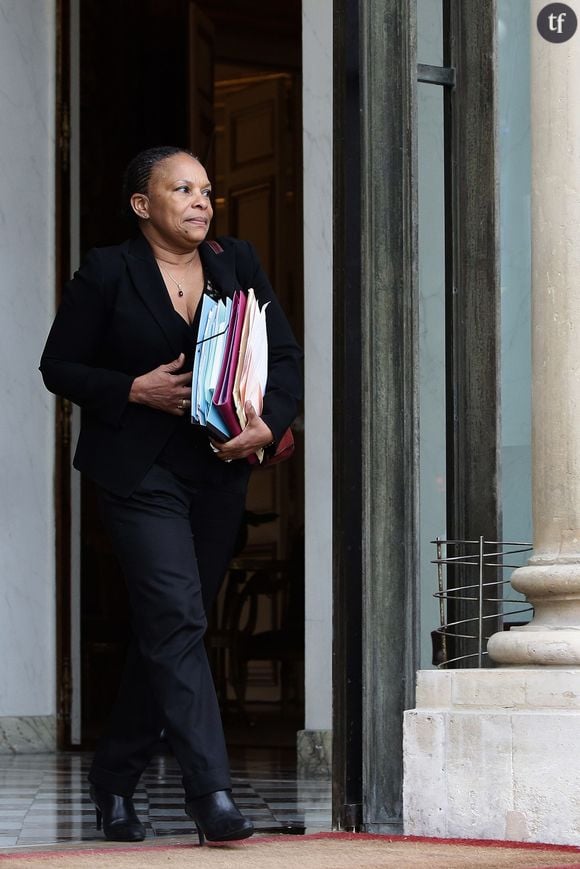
{"x": 556, "y": 23}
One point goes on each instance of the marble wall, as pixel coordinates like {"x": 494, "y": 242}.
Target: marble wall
{"x": 317, "y": 144}
{"x": 27, "y": 574}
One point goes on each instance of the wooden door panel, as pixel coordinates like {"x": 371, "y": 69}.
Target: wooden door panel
{"x": 253, "y": 136}
{"x": 254, "y": 174}
{"x": 201, "y": 86}
{"x": 251, "y": 210}
{"x": 256, "y": 169}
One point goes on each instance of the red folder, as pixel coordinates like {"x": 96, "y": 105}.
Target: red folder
{"x": 223, "y": 399}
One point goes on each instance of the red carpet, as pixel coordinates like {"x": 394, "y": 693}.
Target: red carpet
{"x": 321, "y": 851}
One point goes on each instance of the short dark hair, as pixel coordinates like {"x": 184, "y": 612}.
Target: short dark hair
{"x": 138, "y": 172}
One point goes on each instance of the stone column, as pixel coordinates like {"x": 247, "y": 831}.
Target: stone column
{"x": 493, "y": 753}
{"x": 551, "y": 579}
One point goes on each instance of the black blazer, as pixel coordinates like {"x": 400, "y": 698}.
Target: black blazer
{"x": 116, "y": 322}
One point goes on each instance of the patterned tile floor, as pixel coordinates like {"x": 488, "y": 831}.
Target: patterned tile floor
{"x": 44, "y": 799}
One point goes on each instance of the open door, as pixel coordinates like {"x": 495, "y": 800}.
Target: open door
{"x": 256, "y": 200}
{"x": 256, "y": 191}
{"x": 127, "y": 106}
{"x": 128, "y": 103}
{"x": 201, "y": 79}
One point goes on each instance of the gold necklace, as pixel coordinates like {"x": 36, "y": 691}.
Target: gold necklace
{"x": 169, "y": 275}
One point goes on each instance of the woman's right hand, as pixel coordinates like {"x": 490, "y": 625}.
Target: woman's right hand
{"x": 164, "y": 389}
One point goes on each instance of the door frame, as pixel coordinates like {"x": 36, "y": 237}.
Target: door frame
{"x": 376, "y": 338}
{"x": 376, "y": 408}
{"x": 63, "y": 415}
{"x": 67, "y": 418}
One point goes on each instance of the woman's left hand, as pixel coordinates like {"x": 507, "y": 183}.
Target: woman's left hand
{"x": 255, "y": 436}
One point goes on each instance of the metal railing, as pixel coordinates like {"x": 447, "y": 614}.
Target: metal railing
{"x": 488, "y": 600}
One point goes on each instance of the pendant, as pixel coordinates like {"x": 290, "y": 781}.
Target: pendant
{"x": 180, "y": 292}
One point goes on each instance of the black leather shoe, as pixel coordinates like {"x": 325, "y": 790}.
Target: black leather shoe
{"x": 117, "y": 816}
{"x": 217, "y": 818}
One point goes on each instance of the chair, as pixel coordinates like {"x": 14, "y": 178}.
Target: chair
{"x": 281, "y": 583}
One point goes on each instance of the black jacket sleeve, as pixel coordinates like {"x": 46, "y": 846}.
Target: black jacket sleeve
{"x": 70, "y": 361}
{"x": 284, "y": 385}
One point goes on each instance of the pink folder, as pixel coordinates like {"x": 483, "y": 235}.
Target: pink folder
{"x": 223, "y": 398}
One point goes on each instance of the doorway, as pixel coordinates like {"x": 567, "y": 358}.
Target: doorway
{"x": 226, "y": 83}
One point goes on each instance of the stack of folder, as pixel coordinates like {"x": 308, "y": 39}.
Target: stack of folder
{"x": 230, "y": 364}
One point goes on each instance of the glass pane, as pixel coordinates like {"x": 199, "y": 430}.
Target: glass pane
{"x": 429, "y": 30}
{"x": 514, "y": 154}
{"x": 431, "y": 316}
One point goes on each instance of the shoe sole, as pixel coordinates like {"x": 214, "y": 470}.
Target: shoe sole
{"x": 232, "y": 837}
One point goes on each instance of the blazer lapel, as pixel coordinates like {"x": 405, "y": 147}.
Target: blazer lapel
{"x": 220, "y": 268}
{"x": 149, "y": 283}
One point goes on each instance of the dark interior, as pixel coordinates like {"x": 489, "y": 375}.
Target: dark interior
{"x": 224, "y": 79}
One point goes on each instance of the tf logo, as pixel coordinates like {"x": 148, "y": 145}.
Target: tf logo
{"x": 557, "y": 22}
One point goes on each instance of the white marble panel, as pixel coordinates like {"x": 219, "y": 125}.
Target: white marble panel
{"x": 314, "y": 753}
{"x": 27, "y": 607}
{"x": 27, "y": 735}
{"x": 318, "y": 670}
{"x": 317, "y": 151}
{"x": 478, "y": 761}
{"x": 509, "y": 765}
{"x": 425, "y": 778}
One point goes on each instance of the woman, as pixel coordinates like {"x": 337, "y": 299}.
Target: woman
{"x": 122, "y": 348}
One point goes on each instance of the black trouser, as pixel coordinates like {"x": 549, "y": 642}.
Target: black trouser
{"x": 174, "y": 541}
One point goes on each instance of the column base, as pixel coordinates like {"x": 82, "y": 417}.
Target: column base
{"x": 536, "y": 646}
{"x": 492, "y": 754}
